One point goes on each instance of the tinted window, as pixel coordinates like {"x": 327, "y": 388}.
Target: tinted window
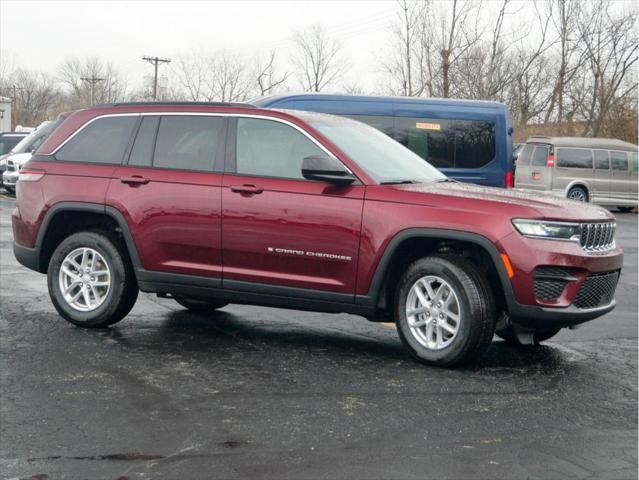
{"x": 602, "y": 161}
{"x": 271, "y": 149}
{"x": 619, "y": 161}
{"x": 540, "y": 156}
{"x": 189, "y": 142}
{"x": 449, "y": 143}
{"x": 381, "y": 123}
{"x": 142, "y": 152}
{"x": 635, "y": 161}
{"x": 7, "y": 143}
{"x": 101, "y": 141}
{"x": 574, "y": 157}
{"x": 525, "y": 155}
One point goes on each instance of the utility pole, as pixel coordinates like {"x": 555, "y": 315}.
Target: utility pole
{"x": 14, "y": 104}
{"x": 92, "y": 80}
{"x": 155, "y": 61}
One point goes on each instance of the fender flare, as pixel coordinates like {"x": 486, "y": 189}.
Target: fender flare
{"x": 98, "y": 208}
{"x": 377, "y": 283}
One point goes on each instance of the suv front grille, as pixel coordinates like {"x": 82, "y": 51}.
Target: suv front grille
{"x": 598, "y": 290}
{"x": 597, "y": 237}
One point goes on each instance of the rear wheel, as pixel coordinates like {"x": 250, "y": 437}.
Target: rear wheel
{"x": 199, "y": 305}
{"x": 578, "y": 193}
{"x": 508, "y": 334}
{"x": 444, "y": 310}
{"x": 91, "y": 283}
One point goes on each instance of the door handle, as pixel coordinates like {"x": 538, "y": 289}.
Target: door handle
{"x": 134, "y": 180}
{"x": 247, "y": 189}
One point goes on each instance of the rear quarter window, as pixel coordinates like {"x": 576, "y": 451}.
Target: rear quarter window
{"x": 525, "y": 155}
{"x": 540, "y": 156}
{"x": 102, "y": 141}
{"x": 574, "y": 158}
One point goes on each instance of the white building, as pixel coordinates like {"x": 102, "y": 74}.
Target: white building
{"x": 5, "y": 114}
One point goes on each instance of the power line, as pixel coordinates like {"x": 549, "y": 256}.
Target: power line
{"x": 155, "y": 61}
{"x": 92, "y": 80}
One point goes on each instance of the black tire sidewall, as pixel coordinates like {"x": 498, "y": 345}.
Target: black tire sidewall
{"x": 450, "y": 354}
{"x": 105, "y": 313}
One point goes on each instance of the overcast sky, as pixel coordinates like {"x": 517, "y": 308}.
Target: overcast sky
{"x": 41, "y": 34}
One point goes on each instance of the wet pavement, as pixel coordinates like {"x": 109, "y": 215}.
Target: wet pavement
{"x": 251, "y": 392}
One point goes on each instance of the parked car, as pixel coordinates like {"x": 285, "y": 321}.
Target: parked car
{"x": 470, "y": 141}
{"x": 11, "y": 163}
{"x": 597, "y": 170}
{"x": 210, "y": 204}
{"x": 8, "y": 140}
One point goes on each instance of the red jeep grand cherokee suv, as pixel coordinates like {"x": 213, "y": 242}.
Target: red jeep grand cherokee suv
{"x": 212, "y": 204}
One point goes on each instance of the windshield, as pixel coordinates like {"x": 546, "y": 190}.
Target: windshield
{"x": 380, "y": 156}
{"x": 32, "y": 141}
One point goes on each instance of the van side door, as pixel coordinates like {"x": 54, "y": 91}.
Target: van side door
{"x": 621, "y": 176}
{"x": 600, "y": 192}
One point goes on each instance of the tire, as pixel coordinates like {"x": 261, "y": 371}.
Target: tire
{"x": 117, "y": 298}
{"x": 199, "y": 305}
{"x": 475, "y": 307}
{"x": 578, "y": 193}
{"x": 625, "y": 209}
{"x": 508, "y": 334}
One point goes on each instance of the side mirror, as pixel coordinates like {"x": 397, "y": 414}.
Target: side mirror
{"x": 326, "y": 169}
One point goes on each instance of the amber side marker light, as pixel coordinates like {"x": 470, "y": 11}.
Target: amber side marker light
{"x": 509, "y": 267}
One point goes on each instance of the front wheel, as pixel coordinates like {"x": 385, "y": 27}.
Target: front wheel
{"x": 91, "y": 283}
{"x": 444, "y": 310}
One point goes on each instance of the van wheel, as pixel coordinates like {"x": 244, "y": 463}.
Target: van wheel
{"x": 444, "y": 310}
{"x": 91, "y": 283}
{"x": 199, "y": 305}
{"x": 578, "y": 193}
{"x": 508, "y": 334}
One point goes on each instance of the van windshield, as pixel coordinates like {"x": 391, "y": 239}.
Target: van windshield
{"x": 380, "y": 156}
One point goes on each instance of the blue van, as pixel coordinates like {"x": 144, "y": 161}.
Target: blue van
{"x": 468, "y": 140}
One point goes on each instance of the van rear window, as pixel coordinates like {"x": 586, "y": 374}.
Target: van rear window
{"x": 574, "y": 158}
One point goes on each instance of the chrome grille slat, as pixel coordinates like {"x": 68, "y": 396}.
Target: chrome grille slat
{"x": 597, "y": 237}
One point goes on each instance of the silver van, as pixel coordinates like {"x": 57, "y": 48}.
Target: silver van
{"x": 597, "y": 170}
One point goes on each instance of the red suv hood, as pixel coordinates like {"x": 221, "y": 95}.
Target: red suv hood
{"x": 506, "y": 202}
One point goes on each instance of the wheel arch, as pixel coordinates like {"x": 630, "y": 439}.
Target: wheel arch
{"x": 424, "y": 241}
{"x": 92, "y": 215}
{"x": 578, "y": 183}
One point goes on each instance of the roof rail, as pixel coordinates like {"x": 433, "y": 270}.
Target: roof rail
{"x": 161, "y": 104}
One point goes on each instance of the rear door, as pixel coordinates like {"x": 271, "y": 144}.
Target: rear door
{"x": 170, "y": 193}
{"x": 522, "y": 167}
{"x": 621, "y": 176}
{"x": 536, "y": 175}
{"x": 601, "y": 183}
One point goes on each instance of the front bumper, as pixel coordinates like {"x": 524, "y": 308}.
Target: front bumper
{"x": 9, "y": 179}
{"x": 527, "y": 255}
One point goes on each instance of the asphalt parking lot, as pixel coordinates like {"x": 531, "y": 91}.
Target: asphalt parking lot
{"x": 251, "y": 392}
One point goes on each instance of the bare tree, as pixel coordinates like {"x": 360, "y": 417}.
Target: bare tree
{"x": 404, "y": 69}
{"x": 266, "y": 76}
{"x": 318, "y": 58}
{"x": 35, "y": 96}
{"x": 610, "y": 51}
{"x": 111, "y": 88}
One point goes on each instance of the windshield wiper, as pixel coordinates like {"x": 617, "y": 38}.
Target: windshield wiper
{"x": 398, "y": 182}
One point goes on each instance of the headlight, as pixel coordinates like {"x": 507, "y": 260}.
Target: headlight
{"x": 551, "y": 230}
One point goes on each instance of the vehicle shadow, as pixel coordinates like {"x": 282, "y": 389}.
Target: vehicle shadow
{"x": 186, "y": 333}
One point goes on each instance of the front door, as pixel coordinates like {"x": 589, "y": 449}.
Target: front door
{"x": 278, "y": 228}
{"x": 170, "y": 193}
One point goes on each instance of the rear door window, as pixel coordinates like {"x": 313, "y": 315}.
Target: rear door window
{"x": 190, "y": 142}
{"x": 142, "y": 152}
{"x": 102, "y": 141}
{"x": 619, "y": 161}
{"x": 574, "y": 158}
{"x": 448, "y": 143}
{"x": 525, "y": 155}
{"x": 602, "y": 160}
{"x": 540, "y": 156}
